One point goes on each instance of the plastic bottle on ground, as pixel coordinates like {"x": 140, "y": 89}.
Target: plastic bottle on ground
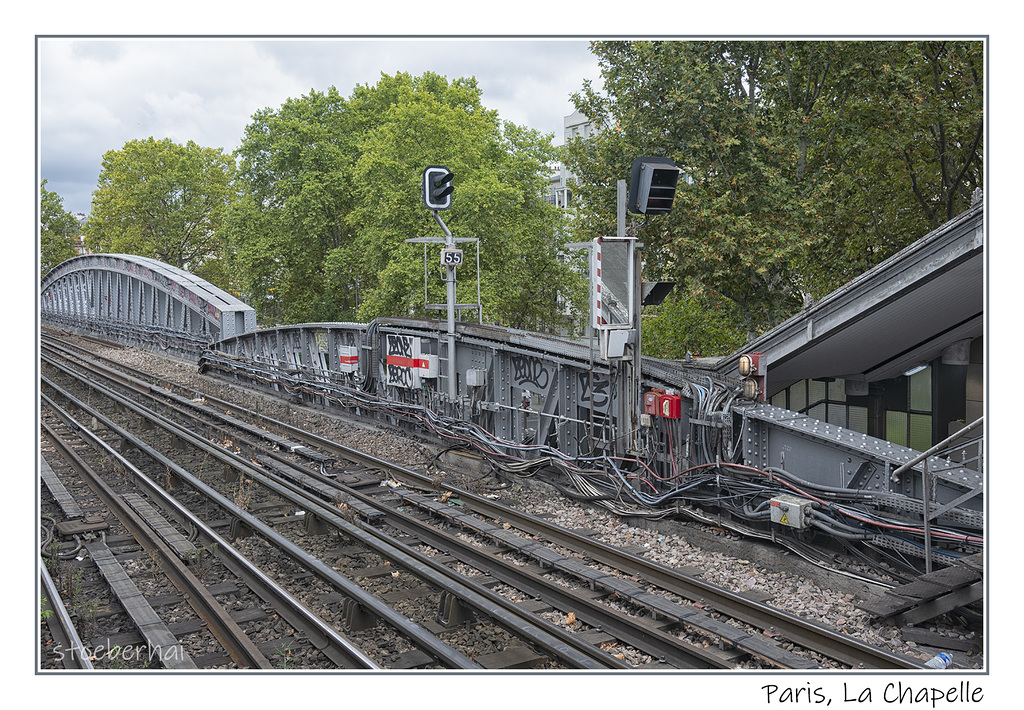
{"x": 943, "y": 660}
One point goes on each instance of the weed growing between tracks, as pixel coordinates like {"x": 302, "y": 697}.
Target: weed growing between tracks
{"x": 244, "y": 492}
{"x": 201, "y": 560}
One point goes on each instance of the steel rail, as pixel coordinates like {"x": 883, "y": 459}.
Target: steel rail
{"x": 326, "y": 639}
{"x": 62, "y": 628}
{"x": 414, "y": 632}
{"x": 238, "y": 645}
{"x": 491, "y": 604}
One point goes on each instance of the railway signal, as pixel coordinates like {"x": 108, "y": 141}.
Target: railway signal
{"x": 652, "y": 185}
{"x": 437, "y": 187}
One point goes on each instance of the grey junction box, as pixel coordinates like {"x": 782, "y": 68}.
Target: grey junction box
{"x": 791, "y": 511}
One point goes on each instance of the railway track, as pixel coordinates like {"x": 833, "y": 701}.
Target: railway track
{"x": 133, "y": 547}
{"x": 107, "y": 541}
{"x": 467, "y": 582}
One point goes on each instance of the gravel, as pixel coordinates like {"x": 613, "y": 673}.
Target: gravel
{"x": 719, "y": 557}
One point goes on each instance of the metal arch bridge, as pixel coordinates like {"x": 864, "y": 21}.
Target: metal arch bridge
{"x": 529, "y": 398}
{"x": 142, "y": 302}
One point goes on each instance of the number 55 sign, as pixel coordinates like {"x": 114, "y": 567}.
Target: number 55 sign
{"x": 451, "y": 257}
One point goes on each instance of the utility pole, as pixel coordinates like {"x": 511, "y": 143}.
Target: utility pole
{"x": 629, "y": 368}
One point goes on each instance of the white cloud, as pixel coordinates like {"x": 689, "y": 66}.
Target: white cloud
{"x": 95, "y": 94}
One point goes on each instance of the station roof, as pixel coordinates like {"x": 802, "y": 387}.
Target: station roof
{"x": 902, "y": 313}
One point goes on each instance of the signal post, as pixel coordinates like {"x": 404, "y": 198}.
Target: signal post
{"x": 437, "y": 196}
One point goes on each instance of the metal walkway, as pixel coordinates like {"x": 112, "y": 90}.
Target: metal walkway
{"x": 162, "y": 643}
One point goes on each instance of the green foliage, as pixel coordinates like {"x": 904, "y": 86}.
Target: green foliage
{"x": 335, "y": 189}
{"x": 911, "y": 160}
{"x": 691, "y": 323}
{"x": 167, "y": 201}
{"x": 808, "y": 161}
{"x": 58, "y": 230}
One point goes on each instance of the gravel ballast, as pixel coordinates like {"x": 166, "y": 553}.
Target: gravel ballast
{"x": 717, "y": 556}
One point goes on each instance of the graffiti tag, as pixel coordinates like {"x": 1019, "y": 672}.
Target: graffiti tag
{"x": 530, "y": 371}
{"x": 400, "y": 376}
{"x": 599, "y": 398}
{"x": 400, "y": 345}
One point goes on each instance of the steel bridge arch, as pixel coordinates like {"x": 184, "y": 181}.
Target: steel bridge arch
{"x": 142, "y": 302}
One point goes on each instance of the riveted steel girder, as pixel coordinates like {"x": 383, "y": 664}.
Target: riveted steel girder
{"x": 139, "y": 299}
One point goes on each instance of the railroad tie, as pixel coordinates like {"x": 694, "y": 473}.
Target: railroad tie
{"x": 60, "y": 494}
{"x": 930, "y": 595}
{"x": 327, "y": 491}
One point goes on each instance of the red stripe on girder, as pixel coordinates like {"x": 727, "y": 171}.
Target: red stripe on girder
{"x": 408, "y": 362}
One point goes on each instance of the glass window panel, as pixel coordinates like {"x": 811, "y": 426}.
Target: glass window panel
{"x": 798, "y": 396}
{"x": 920, "y": 432}
{"x": 837, "y": 390}
{"x": 837, "y": 414}
{"x": 858, "y": 419}
{"x": 921, "y": 390}
{"x": 818, "y": 412}
{"x": 779, "y": 399}
{"x": 896, "y": 427}
{"x": 816, "y": 391}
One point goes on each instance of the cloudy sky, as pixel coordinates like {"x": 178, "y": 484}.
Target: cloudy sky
{"x": 95, "y": 94}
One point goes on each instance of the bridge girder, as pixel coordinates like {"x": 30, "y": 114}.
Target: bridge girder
{"x": 545, "y": 403}
{"x": 142, "y": 301}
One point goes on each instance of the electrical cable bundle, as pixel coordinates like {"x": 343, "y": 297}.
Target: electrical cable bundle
{"x": 632, "y": 487}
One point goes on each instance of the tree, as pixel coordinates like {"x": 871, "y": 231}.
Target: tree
{"x": 807, "y": 161}
{"x": 915, "y": 160}
{"x": 163, "y": 200}
{"x": 295, "y": 173}
{"x": 691, "y": 322}
{"x": 58, "y": 230}
{"x": 335, "y": 188}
